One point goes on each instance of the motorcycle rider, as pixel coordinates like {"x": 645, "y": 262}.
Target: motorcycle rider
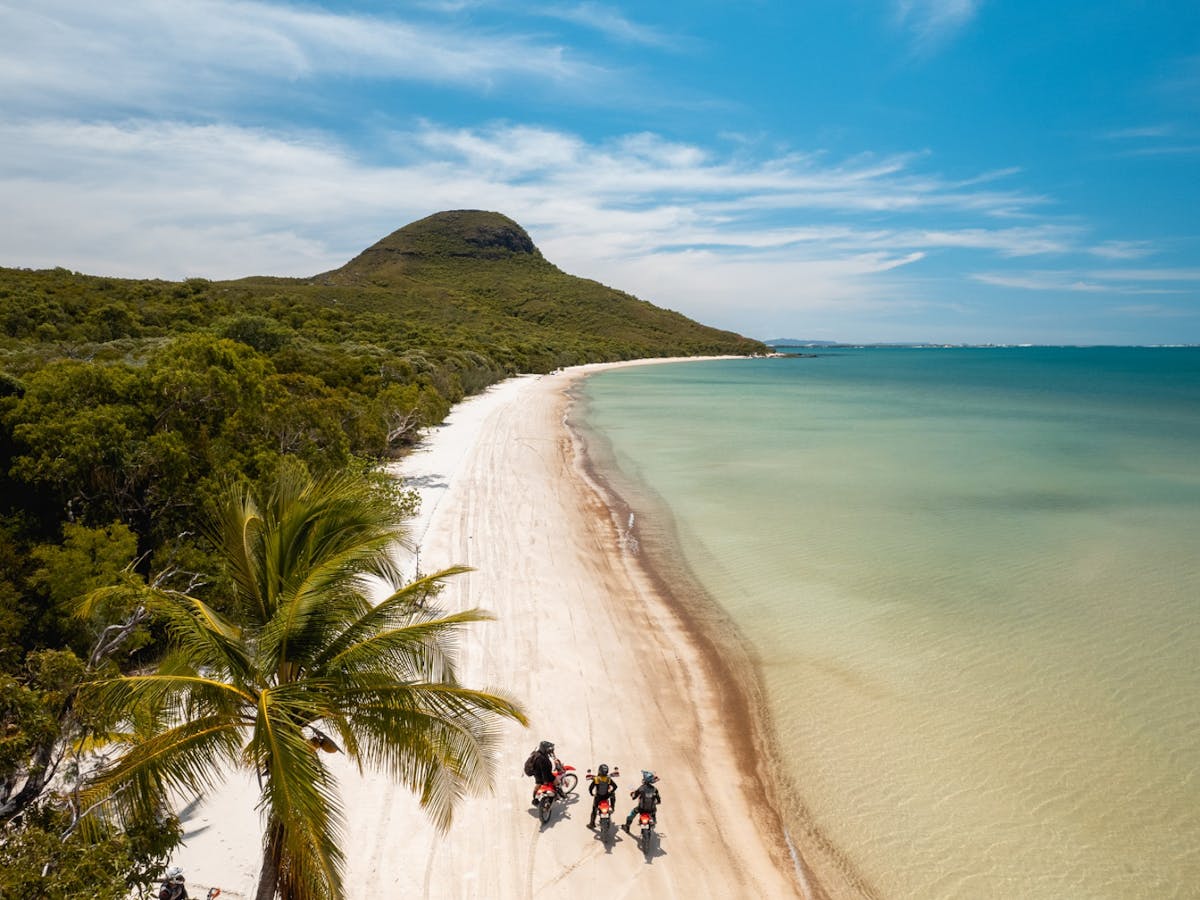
{"x": 173, "y": 887}
{"x": 543, "y": 767}
{"x": 601, "y": 788}
{"x": 648, "y": 798}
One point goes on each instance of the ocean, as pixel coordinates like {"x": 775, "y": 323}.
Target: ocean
{"x": 970, "y": 579}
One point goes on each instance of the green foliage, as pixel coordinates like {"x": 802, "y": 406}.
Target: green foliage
{"x": 31, "y": 709}
{"x": 302, "y": 655}
{"x": 87, "y": 559}
{"x": 37, "y": 863}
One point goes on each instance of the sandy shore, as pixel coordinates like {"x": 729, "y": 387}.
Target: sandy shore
{"x": 608, "y": 668}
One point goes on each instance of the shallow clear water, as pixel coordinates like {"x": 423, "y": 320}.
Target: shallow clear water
{"x": 972, "y": 578}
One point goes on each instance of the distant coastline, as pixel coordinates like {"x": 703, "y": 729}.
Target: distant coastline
{"x": 787, "y": 344}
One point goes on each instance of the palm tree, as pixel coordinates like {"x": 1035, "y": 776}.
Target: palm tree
{"x": 303, "y": 660}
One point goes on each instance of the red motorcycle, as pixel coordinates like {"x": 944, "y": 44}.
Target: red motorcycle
{"x": 562, "y": 787}
{"x": 647, "y": 820}
{"x": 565, "y": 778}
{"x": 646, "y": 823}
{"x": 604, "y": 809}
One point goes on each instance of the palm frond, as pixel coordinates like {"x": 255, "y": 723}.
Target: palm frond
{"x": 190, "y": 757}
{"x": 206, "y": 638}
{"x": 237, "y": 529}
{"x": 423, "y": 649}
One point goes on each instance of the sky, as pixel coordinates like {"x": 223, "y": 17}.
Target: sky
{"x": 960, "y": 171}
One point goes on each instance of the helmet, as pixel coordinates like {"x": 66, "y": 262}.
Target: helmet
{"x": 175, "y": 875}
{"x": 603, "y": 770}
{"x": 546, "y": 747}
{"x": 648, "y": 777}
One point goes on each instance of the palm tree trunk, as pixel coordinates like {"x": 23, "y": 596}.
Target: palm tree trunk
{"x": 268, "y": 877}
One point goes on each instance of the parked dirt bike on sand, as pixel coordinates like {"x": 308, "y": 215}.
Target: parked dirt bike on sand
{"x": 604, "y": 809}
{"x": 565, "y": 778}
{"x": 562, "y": 787}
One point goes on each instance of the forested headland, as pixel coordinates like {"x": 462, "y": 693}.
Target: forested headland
{"x": 128, "y": 406}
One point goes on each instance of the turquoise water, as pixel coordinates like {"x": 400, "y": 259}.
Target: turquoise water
{"x": 972, "y": 580}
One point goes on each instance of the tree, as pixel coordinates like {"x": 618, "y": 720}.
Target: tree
{"x": 303, "y": 660}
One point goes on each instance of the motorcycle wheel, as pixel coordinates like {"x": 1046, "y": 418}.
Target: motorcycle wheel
{"x": 544, "y": 810}
{"x": 567, "y": 783}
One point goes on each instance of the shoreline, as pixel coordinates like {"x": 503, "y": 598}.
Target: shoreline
{"x": 731, "y": 661}
{"x": 728, "y": 659}
{"x": 605, "y": 666}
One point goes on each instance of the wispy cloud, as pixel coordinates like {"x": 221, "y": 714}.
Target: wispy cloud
{"x": 1122, "y": 249}
{"x": 1144, "y": 131}
{"x": 644, "y": 168}
{"x": 612, "y": 23}
{"x": 1040, "y": 281}
{"x": 158, "y": 52}
{"x": 1113, "y": 281}
{"x": 933, "y": 22}
{"x": 1165, "y": 139}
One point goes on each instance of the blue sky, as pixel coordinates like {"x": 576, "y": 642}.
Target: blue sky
{"x": 861, "y": 170}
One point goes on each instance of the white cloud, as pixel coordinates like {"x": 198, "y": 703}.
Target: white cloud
{"x": 148, "y": 54}
{"x": 1114, "y": 281}
{"x": 1012, "y": 242}
{"x": 1040, "y": 281}
{"x": 1122, "y": 249}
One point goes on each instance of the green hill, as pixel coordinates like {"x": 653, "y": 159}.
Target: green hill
{"x": 455, "y": 282}
{"x": 484, "y": 269}
{"x": 130, "y": 401}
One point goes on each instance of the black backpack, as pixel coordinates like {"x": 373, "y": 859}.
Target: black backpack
{"x": 529, "y": 763}
{"x": 648, "y": 802}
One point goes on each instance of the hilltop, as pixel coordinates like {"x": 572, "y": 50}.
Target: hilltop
{"x": 486, "y": 268}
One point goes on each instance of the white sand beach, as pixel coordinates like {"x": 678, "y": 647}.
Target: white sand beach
{"x": 605, "y": 666}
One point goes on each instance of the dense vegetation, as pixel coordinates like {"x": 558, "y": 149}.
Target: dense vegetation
{"x": 127, "y": 406}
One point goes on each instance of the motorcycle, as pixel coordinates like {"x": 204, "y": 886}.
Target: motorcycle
{"x": 565, "y": 778}
{"x": 646, "y": 823}
{"x": 560, "y": 788}
{"x": 604, "y": 809}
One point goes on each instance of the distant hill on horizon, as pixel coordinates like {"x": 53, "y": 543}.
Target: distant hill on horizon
{"x": 484, "y": 264}
{"x": 456, "y": 281}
